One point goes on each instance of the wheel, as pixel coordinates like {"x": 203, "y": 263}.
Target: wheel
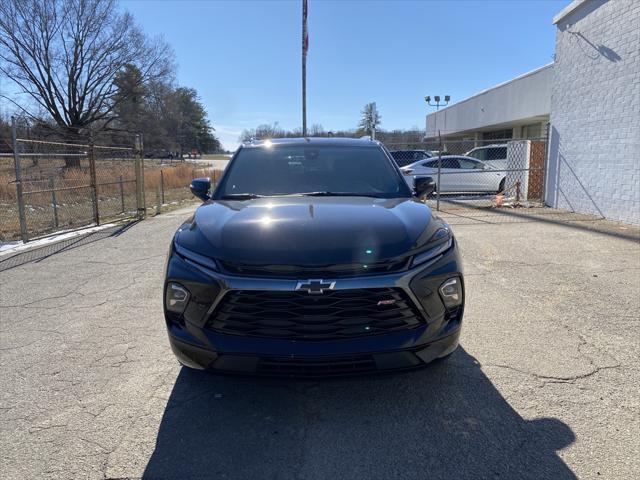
{"x": 501, "y": 186}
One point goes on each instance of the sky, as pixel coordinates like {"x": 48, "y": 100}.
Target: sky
{"x": 244, "y": 57}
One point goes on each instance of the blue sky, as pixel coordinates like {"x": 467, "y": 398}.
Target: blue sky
{"x": 243, "y": 57}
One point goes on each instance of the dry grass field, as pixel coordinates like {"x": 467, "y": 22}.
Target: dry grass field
{"x": 48, "y": 182}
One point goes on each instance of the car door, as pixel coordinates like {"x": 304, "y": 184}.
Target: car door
{"x": 476, "y": 176}
{"x": 449, "y": 174}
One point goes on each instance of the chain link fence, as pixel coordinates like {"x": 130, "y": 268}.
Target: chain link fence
{"x": 49, "y": 186}
{"x": 475, "y": 173}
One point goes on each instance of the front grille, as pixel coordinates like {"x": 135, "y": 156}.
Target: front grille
{"x": 309, "y": 367}
{"x": 321, "y": 271}
{"x": 299, "y": 316}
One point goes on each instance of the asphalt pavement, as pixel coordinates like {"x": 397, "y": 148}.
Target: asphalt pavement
{"x": 544, "y": 385}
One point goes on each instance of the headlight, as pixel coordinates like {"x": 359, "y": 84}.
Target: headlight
{"x": 451, "y": 293}
{"x": 432, "y": 252}
{"x": 195, "y": 258}
{"x": 176, "y": 298}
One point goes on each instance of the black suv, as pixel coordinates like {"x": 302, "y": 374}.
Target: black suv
{"x": 313, "y": 257}
{"x": 407, "y": 157}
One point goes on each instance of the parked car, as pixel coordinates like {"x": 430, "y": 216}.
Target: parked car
{"x": 312, "y": 257}
{"x": 494, "y": 155}
{"x": 458, "y": 174}
{"x": 405, "y": 157}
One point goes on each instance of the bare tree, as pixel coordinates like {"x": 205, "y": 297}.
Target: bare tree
{"x": 66, "y": 54}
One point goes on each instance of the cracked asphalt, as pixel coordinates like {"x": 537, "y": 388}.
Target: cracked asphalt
{"x": 545, "y": 384}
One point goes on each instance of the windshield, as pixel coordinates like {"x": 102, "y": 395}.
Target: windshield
{"x": 312, "y": 170}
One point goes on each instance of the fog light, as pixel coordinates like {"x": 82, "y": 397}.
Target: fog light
{"x": 451, "y": 293}
{"x": 177, "y": 298}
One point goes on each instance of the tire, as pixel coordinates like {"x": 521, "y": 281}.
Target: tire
{"x": 501, "y": 186}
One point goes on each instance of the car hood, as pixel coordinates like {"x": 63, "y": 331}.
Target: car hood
{"x": 308, "y": 230}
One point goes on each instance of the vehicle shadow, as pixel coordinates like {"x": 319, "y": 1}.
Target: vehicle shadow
{"x": 445, "y": 421}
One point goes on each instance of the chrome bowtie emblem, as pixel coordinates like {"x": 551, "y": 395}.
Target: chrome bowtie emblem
{"x": 315, "y": 287}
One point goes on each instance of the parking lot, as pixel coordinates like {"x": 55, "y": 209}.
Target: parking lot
{"x": 544, "y": 385}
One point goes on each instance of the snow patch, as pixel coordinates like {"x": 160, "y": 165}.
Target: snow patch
{"x": 14, "y": 247}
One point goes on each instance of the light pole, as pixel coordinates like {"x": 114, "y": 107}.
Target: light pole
{"x": 437, "y": 100}
{"x": 437, "y": 104}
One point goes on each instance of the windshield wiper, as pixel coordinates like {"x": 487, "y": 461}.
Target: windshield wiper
{"x": 338, "y": 194}
{"x": 241, "y": 196}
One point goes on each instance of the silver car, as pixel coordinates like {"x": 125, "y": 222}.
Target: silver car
{"x": 458, "y": 174}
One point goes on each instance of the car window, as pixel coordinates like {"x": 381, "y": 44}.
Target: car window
{"x": 447, "y": 162}
{"x": 450, "y": 162}
{"x": 479, "y": 154}
{"x": 293, "y": 169}
{"x": 469, "y": 164}
{"x": 496, "y": 153}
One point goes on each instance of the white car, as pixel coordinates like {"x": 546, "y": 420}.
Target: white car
{"x": 458, "y": 174}
{"x": 494, "y": 155}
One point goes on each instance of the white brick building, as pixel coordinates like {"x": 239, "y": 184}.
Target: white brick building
{"x": 590, "y": 96}
{"x": 594, "y": 153}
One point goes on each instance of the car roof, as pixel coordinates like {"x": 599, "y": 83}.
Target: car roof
{"x": 444, "y": 157}
{"x": 409, "y": 150}
{"x": 493, "y": 145}
{"x": 315, "y": 141}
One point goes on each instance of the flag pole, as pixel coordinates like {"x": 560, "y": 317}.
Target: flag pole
{"x": 305, "y": 45}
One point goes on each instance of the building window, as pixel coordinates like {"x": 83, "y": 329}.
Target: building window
{"x": 505, "y": 134}
{"x": 532, "y": 131}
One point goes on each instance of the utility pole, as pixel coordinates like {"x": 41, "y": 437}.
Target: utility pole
{"x": 305, "y": 47}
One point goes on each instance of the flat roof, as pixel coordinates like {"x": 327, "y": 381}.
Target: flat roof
{"x": 522, "y": 100}
{"x": 569, "y": 9}
{"x": 495, "y": 87}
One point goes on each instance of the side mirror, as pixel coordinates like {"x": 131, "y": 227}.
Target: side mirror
{"x": 200, "y": 188}
{"x": 424, "y": 186}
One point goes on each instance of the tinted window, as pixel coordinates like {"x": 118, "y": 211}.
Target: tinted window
{"x": 285, "y": 170}
{"x": 404, "y": 157}
{"x": 496, "y": 153}
{"x": 447, "y": 162}
{"x": 450, "y": 162}
{"x": 469, "y": 164}
{"x": 479, "y": 154}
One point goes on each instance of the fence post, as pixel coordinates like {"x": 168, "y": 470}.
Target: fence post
{"x": 52, "y": 187}
{"x": 94, "y": 186}
{"x": 544, "y": 165}
{"x": 139, "y": 169}
{"x": 121, "y": 194}
{"x": 439, "y": 169}
{"x": 162, "y": 186}
{"x": 16, "y": 158}
{"x": 158, "y": 201}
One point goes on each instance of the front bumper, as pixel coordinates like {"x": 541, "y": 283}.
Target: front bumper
{"x": 197, "y": 346}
